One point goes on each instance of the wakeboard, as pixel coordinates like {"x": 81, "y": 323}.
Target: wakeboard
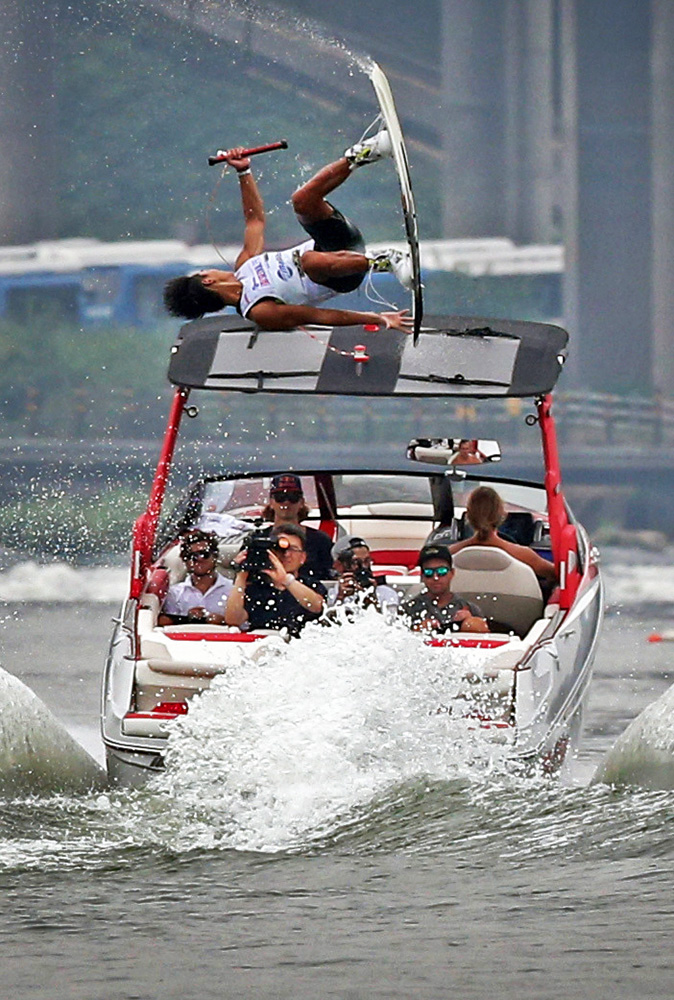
{"x": 389, "y": 115}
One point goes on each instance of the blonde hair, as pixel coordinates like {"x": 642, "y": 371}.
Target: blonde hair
{"x": 485, "y": 511}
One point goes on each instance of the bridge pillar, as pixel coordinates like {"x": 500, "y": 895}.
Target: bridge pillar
{"x": 663, "y": 196}
{"x": 498, "y": 66}
{"x": 28, "y": 202}
{"x": 530, "y": 111}
{"x": 472, "y": 130}
{"x": 608, "y": 221}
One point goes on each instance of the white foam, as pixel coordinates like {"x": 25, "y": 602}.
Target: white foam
{"x": 644, "y": 753}
{"x": 59, "y": 582}
{"x": 287, "y": 748}
{"x": 37, "y": 754}
{"x": 628, "y": 584}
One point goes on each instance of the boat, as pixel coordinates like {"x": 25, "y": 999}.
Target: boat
{"x": 535, "y": 674}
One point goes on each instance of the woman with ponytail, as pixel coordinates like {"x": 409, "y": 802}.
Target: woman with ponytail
{"x": 486, "y": 512}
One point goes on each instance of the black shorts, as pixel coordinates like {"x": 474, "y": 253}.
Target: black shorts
{"x": 337, "y": 233}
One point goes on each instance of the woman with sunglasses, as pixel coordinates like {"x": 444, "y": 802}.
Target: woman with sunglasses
{"x": 438, "y": 609}
{"x": 203, "y": 595}
{"x": 287, "y": 506}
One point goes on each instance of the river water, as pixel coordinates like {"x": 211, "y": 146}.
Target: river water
{"x": 415, "y": 873}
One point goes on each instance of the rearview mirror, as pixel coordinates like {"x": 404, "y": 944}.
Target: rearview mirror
{"x": 453, "y": 451}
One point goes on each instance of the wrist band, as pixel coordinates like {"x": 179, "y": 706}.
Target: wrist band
{"x": 242, "y": 173}
{"x": 289, "y": 579}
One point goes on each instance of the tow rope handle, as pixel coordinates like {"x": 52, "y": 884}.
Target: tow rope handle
{"x": 269, "y": 148}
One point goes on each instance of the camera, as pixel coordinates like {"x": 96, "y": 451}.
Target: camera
{"x": 361, "y": 574}
{"x": 257, "y": 554}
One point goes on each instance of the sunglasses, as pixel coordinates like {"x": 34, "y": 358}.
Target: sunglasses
{"x": 287, "y": 496}
{"x": 201, "y": 554}
{"x": 436, "y": 571}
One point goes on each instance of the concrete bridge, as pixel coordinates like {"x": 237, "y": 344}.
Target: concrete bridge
{"x": 551, "y": 121}
{"x": 629, "y": 487}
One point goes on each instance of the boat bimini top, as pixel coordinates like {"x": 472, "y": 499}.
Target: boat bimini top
{"x": 454, "y": 356}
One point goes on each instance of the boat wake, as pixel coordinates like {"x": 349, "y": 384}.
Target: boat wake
{"x": 644, "y": 753}
{"x": 37, "y": 754}
{"x": 627, "y": 584}
{"x": 485, "y": 821}
{"x": 61, "y": 583}
{"x": 291, "y": 747}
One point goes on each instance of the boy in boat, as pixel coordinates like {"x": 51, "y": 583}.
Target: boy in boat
{"x": 287, "y": 505}
{"x": 279, "y": 290}
{"x": 203, "y": 595}
{"x": 437, "y": 608}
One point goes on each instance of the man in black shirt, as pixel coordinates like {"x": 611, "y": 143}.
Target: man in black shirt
{"x": 288, "y": 506}
{"x": 282, "y": 596}
{"x": 437, "y": 608}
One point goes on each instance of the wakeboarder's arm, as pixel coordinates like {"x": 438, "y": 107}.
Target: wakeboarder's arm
{"x": 272, "y": 315}
{"x": 252, "y": 205}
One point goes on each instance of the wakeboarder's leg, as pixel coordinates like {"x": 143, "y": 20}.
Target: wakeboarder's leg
{"x": 326, "y": 267}
{"x": 309, "y": 201}
{"x": 339, "y": 260}
{"x": 339, "y": 244}
{"x": 322, "y": 266}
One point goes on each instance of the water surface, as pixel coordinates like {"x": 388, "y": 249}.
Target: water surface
{"x": 356, "y": 861}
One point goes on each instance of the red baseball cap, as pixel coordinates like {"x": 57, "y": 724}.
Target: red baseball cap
{"x": 286, "y": 482}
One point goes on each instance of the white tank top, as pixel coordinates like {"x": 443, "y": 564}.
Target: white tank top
{"x": 276, "y": 275}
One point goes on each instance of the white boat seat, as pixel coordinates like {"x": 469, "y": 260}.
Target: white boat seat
{"x": 506, "y": 589}
{"x": 375, "y": 522}
{"x": 148, "y": 612}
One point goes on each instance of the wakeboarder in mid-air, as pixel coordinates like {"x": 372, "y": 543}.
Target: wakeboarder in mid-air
{"x": 279, "y": 289}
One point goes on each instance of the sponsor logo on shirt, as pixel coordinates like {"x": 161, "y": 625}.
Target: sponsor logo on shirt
{"x": 285, "y": 271}
{"x": 260, "y": 275}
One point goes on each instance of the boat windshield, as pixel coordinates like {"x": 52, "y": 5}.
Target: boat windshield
{"x": 232, "y": 506}
{"x": 248, "y": 497}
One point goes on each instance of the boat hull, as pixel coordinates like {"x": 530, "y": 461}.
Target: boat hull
{"x": 551, "y": 687}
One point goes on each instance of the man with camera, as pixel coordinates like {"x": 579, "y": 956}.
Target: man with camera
{"x": 357, "y": 584}
{"x": 202, "y": 596}
{"x": 271, "y": 589}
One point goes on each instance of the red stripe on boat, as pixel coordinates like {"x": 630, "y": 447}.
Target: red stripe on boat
{"x": 468, "y": 643}
{"x": 165, "y": 710}
{"x": 215, "y": 636}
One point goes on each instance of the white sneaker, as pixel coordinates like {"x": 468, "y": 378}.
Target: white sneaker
{"x": 394, "y": 262}
{"x": 369, "y": 150}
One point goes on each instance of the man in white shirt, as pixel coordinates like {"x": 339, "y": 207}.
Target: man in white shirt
{"x": 203, "y": 595}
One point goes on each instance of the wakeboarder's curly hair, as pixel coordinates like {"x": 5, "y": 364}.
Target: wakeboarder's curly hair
{"x": 186, "y": 296}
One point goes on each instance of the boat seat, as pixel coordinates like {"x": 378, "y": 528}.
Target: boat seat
{"x": 148, "y": 613}
{"x": 376, "y": 523}
{"x": 395, "y": 560}
{"x": 506, "y": 589}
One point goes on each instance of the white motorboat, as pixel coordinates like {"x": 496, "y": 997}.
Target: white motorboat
{"x": 534, "y": 674}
